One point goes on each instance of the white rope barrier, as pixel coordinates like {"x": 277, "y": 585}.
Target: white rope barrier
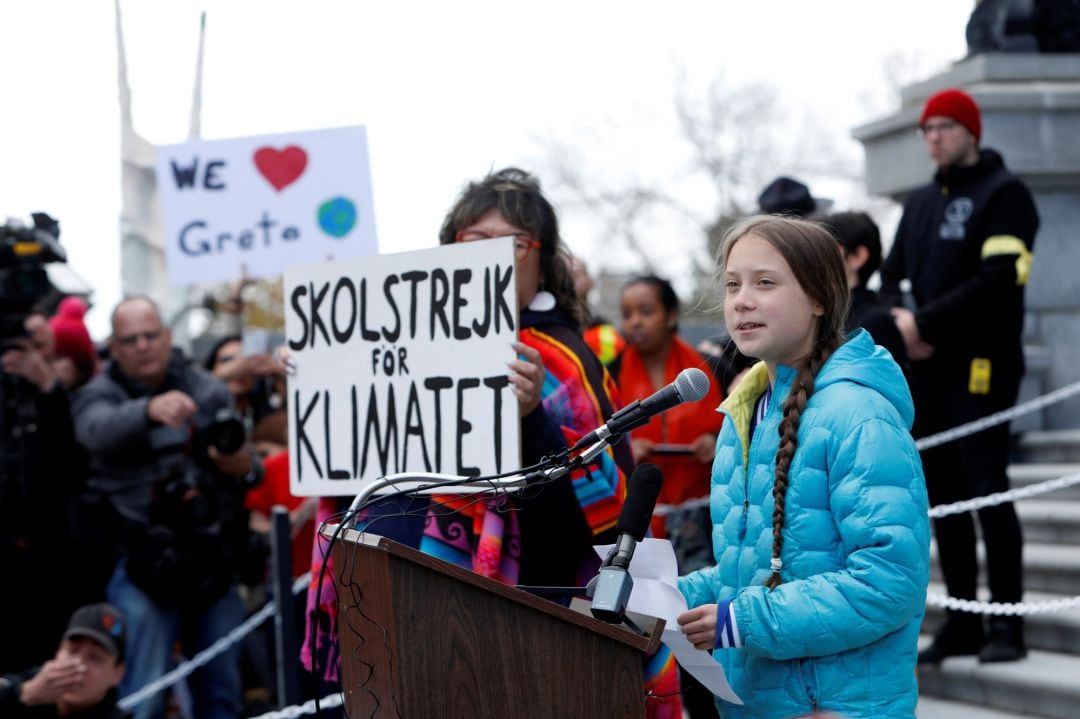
{"x": 1005, "y": 415}
{"x": 1002, "y": 609}
{"x": 298, "y": 710}
{"x": 989, "y": 500}
{"x": 205, "y": 656}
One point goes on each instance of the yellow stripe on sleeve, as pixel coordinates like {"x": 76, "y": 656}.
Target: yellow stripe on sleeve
{"x": 1010, "y": 245}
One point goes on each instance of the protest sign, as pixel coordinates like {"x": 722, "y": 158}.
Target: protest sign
{"x": 401, "y": 365}
{"x": 264, "y": 202}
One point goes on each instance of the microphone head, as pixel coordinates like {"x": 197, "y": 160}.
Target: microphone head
{"x": 692, "y": 385}
{"x": 643, "y": 488}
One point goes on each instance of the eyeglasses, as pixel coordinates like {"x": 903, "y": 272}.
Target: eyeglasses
{"x": 150, "y": 336}
{"x": 943, "y": 127}
{"x": 523, "y": 243}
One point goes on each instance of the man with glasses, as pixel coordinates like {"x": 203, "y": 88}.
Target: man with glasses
{"x": 179, "y": 505}
{"x": 964, "y": 242}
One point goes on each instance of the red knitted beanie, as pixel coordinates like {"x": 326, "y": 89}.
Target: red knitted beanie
{"x": 957, "y": 105}
{"x": 70, "y": 336}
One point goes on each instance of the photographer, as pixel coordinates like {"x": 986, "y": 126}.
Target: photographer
{"x": 176, "y": 476}
{"x": 40, "y": 468}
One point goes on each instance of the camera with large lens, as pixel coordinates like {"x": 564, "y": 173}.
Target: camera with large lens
{"x": 226, "y": 433}
{"x": 24, "y": 283}
{"x": 194, "y": 539}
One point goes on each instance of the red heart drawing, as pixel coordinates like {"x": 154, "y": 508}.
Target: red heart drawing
{"x": 281, "y": 167}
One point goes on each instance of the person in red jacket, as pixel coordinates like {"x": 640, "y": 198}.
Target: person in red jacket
{"x": 681, "y": 441}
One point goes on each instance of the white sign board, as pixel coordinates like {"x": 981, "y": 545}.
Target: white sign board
{"x": 401, "y": 366}
{"x": 264, "y": 202}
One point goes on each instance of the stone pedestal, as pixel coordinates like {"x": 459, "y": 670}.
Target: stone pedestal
{"x": 1031, "y": 114}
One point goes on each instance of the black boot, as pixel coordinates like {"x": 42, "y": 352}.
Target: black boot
{"x": 1005, "y": 642}
{"x": 962, "y": 634}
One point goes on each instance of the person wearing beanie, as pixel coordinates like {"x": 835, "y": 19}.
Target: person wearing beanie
{"x": 80, "y": 681}
{"x": 41, "y": 467}
{"x": 964, "y": 242}
{"x": 74, "y": 355}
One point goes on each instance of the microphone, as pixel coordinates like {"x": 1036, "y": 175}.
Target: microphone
{"x": 636, "y": 514}
{"x": 690, "y": 386}
{"x": 611, "y": 587}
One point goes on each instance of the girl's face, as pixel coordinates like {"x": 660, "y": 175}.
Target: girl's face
{"x": 492, "y": 224}
{"x": 646, "y": 325}
{"x": 765, "y": 309}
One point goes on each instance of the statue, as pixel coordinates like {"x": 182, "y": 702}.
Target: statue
{"x": 1024, "y": 26}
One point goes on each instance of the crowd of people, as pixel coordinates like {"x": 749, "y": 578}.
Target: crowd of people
{"x": 137, "y": 482}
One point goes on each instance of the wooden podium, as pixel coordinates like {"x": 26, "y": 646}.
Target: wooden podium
{"x": 424, "y": 638}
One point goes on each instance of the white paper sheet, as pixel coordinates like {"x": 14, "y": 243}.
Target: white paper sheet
{"x": 656, "y": 594}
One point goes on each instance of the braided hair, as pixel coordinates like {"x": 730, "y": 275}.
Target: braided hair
{"x": 815, "y": 260}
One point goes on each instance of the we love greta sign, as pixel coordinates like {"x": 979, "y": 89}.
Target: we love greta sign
{"x": 264, "y": 202}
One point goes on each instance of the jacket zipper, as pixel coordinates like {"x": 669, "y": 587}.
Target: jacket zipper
{"x": 746, "y": 466}
{"x": 814, "y": 708}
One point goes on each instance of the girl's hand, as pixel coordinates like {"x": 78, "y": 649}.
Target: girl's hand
{"x": 526, "y": 377}
{"x": 699, "y": 626}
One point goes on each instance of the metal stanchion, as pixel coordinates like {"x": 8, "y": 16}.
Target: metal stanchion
{"x": 286, "y": 642}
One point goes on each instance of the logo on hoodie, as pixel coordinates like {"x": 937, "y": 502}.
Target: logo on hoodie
{"x": 957, "y": 213}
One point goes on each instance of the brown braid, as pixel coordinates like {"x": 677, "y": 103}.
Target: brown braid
{"x": 801, "y": 389}
{"x": 815, "y": 260}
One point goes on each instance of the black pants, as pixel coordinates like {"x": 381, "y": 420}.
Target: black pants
{"x": 966, "y": 468}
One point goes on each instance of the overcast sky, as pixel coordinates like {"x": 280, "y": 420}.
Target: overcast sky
{"x": 446, "y": 90}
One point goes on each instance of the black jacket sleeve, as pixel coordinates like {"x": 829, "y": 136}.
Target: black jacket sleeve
{"x": 1011, "y": 212}
{"x": 892, "y": 270}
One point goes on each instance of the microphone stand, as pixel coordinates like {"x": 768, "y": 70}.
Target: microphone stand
{"x": 427, "y": 482}
{"x": 432, "y": 482}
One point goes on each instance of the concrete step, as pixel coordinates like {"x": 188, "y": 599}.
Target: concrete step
{"x": 1025, "y": 475}
{"x": 1047, "y": 568}
{"x": 1061, "y": 445}
{"x": 1052, "y": 631}
{"x": 934, "y": 708}
{"x": 1043, "y": 685}
{"x": 1050, "y": 521}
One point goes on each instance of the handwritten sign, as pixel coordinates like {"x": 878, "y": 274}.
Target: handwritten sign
{"x": 264, "y": 202}
{"x": 402, "y": 366}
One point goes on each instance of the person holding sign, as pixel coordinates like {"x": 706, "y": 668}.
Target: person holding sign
{"x": 561, "y": 387}
{"x": 544, "y": 535}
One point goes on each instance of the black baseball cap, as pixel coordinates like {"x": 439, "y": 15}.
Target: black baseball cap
{"x": 104, "y": 624}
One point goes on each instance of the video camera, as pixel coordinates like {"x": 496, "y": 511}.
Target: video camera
{"x": 24, "y": 252}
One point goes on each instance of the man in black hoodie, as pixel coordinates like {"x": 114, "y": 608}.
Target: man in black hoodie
{"x": 964, "y": 242}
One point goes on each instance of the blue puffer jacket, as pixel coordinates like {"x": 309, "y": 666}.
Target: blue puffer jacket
{"x": 839, "y": 635}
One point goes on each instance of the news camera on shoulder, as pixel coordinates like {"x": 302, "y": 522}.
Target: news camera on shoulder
{"x": 24, "y": 283}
